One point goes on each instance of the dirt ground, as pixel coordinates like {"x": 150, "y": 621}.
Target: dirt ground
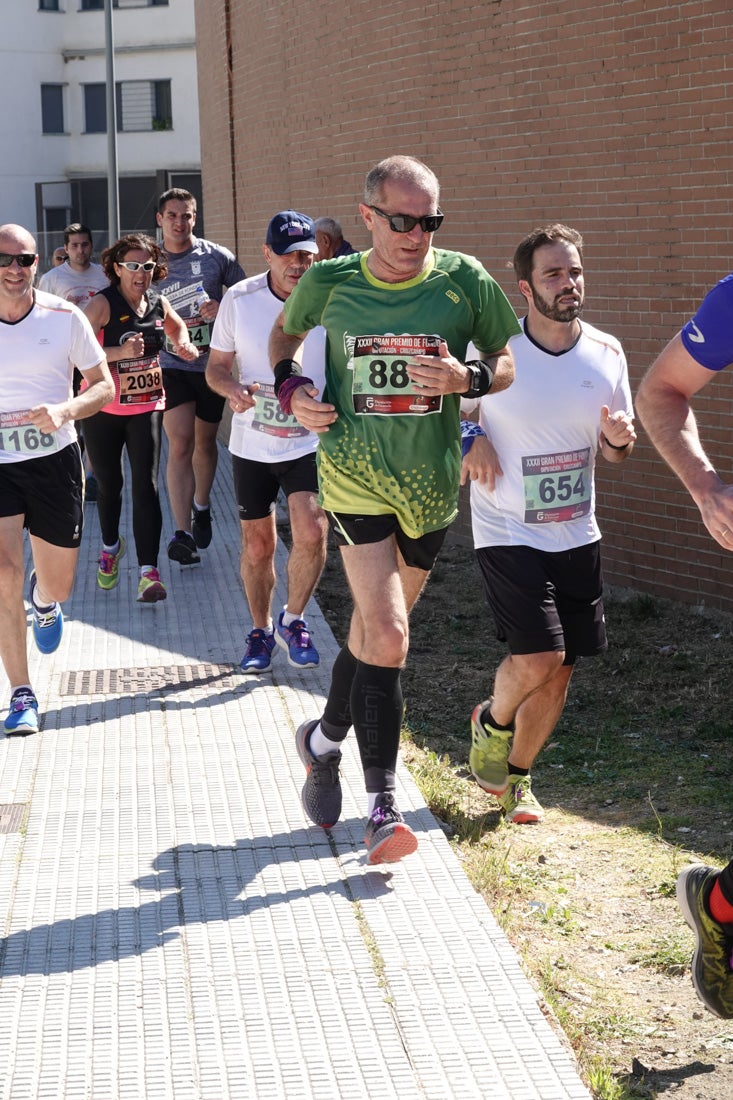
{"x": 587, "y": 897}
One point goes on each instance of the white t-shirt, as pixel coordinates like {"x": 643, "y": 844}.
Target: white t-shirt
{"x": 78, "y": 287}
{"x": 545, "y": 428}
{"x": 37, "y": 360}
{"x": 243, "y": 325}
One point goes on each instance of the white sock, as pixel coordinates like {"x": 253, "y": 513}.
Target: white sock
{"x": 200, "y": 507}
{"x": 319, "y": 744}
{"x": 289, "y": 618}
{"x": 111, "y": 549}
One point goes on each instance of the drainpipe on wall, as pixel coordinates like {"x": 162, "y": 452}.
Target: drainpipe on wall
{"x": 230, "y": 97}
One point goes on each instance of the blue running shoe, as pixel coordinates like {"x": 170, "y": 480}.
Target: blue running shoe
{"x": 258, "y": 654}
{"x": 22, "y": 717}
{"x": 296, "y": 641}
{"x": 48, "y": 624}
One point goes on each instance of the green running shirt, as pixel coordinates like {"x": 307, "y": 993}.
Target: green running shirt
{"x": 392, "y": 450}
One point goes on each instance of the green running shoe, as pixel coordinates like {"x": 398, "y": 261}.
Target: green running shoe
{"x": 712, "y": 961}
{"x": 489, "y": 752}
{"x": 518, "y": 802}
{"x": 108, "y": 573}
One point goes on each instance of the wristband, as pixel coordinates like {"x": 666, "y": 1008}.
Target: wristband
{"x": 616, "y": 446}
{"x": 482, "y": 378}
{"x": 469, "y": 432}
{"x": 288, "y": 386}
{"x": 285, "y": 368}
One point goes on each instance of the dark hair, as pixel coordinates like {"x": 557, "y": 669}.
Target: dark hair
{"x": 544, "y": 234}
{"x": 77, "y": 227}
{"x": 175, "y": 194}
{"x": 116, "y": 253}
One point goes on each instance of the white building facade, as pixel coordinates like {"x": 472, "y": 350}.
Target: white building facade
{"x": 54, "y": 126}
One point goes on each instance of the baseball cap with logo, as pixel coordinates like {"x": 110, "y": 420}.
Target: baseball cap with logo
{"x": 290, "y": 231}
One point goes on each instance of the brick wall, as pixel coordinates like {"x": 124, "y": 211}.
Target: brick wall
{"x": 612, "y": 116}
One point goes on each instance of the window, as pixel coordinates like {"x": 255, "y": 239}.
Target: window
{"x": 52, "y": 108}
{"x": 48, "y": 5}
{"x": 141, "y": 105}
{"x": 98, "y": 5}
{"x": 95, "y": 109}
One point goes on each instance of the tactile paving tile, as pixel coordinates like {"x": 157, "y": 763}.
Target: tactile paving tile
{"x": 172, "y": 926}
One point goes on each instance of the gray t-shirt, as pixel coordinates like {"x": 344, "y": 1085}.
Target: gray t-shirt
{"x": 205, "y": 265}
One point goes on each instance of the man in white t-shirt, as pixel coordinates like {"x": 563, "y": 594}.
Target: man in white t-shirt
{"x": 533, "y": 511}
{"x": 42, "y": 340}
{"x": 271, "y": 450}
{"x": 77, "y": 280}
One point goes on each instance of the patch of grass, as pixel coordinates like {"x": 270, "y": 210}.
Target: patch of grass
{"x": 669, "y": 954}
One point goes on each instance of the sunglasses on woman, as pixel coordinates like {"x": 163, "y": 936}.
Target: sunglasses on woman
{"x": 133, "y": 265}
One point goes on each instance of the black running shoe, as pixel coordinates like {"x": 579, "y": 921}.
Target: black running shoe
{"x": 182, "y": 549}
{"x": 321, "y": 794}
{"x": 201, "y": 527}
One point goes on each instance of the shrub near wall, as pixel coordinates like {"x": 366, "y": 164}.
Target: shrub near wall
{"x": 613, "y": 117}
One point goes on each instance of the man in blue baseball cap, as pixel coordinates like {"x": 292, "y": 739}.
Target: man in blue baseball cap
{"x": 271, "y": 451}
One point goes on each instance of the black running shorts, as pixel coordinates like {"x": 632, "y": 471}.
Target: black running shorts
{"x": 546, "y": 601}
{"x": 257, "y": 484}
{"x": 48, "y": 493}
{"x": 360, "y": 530}
{"x": 185, "y": 386}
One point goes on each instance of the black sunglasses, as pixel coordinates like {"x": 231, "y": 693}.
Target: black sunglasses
{"x": 25, "y": 259}
{"x": 403, "y": 223}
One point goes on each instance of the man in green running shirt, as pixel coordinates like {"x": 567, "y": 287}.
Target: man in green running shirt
{"x": 399, "y": 319}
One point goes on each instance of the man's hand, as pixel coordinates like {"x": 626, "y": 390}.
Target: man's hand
{"x": 242, "y": 398}
{"x": 433, "y": 375}
{"x": 313, "y": 415}
{"x": 716, "y": 510}
{"x": 617, "y": 428}
{"x": 481, "y": 464}
{"x": 208, "y": 310}
{"x": 49, "y": 418}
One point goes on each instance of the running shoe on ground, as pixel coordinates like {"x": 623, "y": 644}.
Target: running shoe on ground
{"x": 712, "y": 961}
{"x": 201, "y": 527}
{"x": 22, "y": 717}
{"x": 321, "y": 794}
{"x": 182, "y": 549}
{"x": 90, "y": 489}
{"x": 48, "y": 625}
{"x": 489, "y": 752}
{"x": 388, "y": 838}
{"x": 151, "y": 589}
{"x": 518, "y": 802}
{"x": 258, "y": 654}
{"x": 108, "y": 573}
{"x": 296, "y": 641}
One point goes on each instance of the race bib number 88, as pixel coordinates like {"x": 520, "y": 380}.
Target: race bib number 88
{"x": 381, "y": 383}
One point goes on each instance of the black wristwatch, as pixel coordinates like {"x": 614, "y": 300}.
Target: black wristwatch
{"x": 482, "y": 377}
